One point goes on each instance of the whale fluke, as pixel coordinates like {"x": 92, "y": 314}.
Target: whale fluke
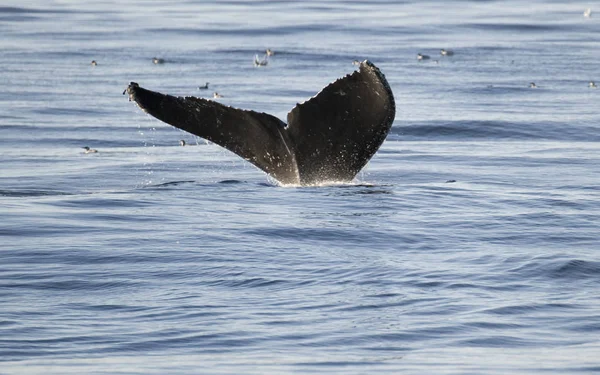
{"x": 329, "y": 137}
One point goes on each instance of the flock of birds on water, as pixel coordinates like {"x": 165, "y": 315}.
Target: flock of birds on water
{"x": 264, "y": 61}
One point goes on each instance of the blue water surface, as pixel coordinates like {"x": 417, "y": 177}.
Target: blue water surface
{"x": 468, "y": 245}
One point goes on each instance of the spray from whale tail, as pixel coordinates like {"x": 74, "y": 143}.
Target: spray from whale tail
{"x": 329, "y": 137}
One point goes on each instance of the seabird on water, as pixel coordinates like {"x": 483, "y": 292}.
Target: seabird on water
{"x": 259, "y": 62}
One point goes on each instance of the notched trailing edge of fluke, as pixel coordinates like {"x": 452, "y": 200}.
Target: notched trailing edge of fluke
{"x": 329, "y": 137}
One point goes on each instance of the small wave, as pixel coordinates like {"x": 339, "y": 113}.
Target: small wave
{"x": 19, "y": 10}
{"x": 70, "y": 111}
{"x": 577, "y": 269}
{"x": 521, "y": 27}
{"x": 314, "y": 234}
{"x": 17, "y": 14}
{"x": 302, "y": 55}
{"x": 31, "y": 193}
{"x": 464, "y": 130}
{"x": 493, "y": 325}
{"x": 167, "y": 184}
{"x": 255, "y": 282}
{"x": 9, "y": 117}
{"x": 349, "y": 237}
{"x": 528, "y": 308}
{"x": 61, "y": 129}
{"x": 231, "y": 182}
{"x": 95, "y": 201}
{"x": 209, "y": 343}
{"x": 255, "y": 31}
{"x": 497, "y": 342}
{"x": 573, "y": 269}
{"x": 497, "y": 90}
{"x": 496, "y": 130}
{"x": 74, "y": 284}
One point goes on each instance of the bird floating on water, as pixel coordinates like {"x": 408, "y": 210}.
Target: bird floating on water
{"x": 422, "y": 57}
{"x": 94, "y": 63}
{"x": 532, "y": 85}
{"x": 205, "y": 87}
{"x": 216, "y": 95}
{"x": 182, "y": 143}
{"x": 593, "y": 85}
{"x": 156, "y": 60}
{"x": 89, "y": 150}
{"x": 269, "y": 52}
{"x": 446, "y": 52}
{"x": 259, "y": 62}
{"x": 588, "y": 12}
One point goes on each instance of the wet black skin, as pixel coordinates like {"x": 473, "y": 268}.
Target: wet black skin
{"x": 330, "y": 137}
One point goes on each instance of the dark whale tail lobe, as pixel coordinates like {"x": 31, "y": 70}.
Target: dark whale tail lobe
{"x": 330, "y": 137}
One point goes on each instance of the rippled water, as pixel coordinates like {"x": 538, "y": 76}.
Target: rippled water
{"x": 468, "y": 245}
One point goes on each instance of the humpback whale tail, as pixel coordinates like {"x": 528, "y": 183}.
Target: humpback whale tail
{"x": 329, "y": 137}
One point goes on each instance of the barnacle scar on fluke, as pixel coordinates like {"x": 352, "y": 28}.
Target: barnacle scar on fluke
{"x": 328, "y": 138}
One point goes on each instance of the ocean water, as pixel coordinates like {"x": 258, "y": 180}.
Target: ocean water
{"x": 468, "y": 245}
